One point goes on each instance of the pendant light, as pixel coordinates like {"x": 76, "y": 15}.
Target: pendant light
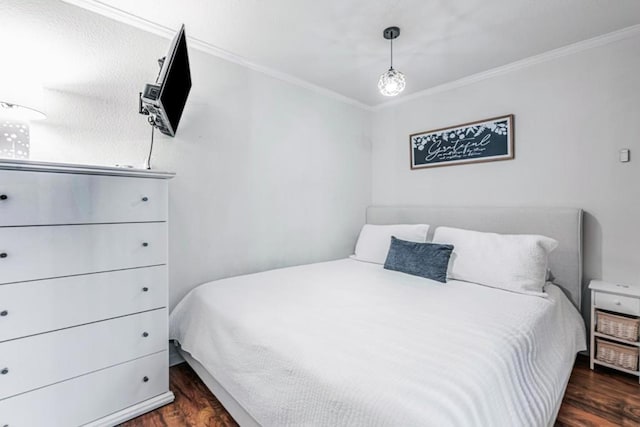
{"x": 392, "y": 82}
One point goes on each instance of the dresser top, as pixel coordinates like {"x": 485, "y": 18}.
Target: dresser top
{"x": 33, "y": 166}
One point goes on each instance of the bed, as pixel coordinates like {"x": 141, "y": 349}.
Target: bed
{"x": 349, "y": 343}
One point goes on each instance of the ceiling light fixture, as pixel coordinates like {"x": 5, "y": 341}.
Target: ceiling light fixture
{"x": 392, "y": 82}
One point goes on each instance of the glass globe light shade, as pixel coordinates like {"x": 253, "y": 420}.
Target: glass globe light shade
{"x": 391, "y": 83}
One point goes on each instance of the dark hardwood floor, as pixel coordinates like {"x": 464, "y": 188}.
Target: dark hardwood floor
{"x": 601, "y": 398}
{"x": 194, "y": 406}
{"x": 596, "y": 399}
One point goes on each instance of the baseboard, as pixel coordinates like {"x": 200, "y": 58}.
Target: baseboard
{"x": 133, "y": 411}
{"x": 175, "y": 358}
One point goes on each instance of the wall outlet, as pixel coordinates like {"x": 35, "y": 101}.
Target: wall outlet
{"x": 625, "y": 155}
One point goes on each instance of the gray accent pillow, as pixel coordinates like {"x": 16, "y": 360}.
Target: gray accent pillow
{"x": 429, "y": 260}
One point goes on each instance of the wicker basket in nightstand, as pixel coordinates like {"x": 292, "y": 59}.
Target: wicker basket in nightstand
{"x": 615, "y": 325}
{"x": 620, "y": 355}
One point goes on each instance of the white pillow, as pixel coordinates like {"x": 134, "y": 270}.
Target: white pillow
{"x": 515, "y": 262}
{"x": 374, "y": 240}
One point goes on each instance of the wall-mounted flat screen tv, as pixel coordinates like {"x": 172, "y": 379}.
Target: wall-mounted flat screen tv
{"x": 165, "y": 100}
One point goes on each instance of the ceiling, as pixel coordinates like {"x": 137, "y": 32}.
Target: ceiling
{"x": 338, "y": 44}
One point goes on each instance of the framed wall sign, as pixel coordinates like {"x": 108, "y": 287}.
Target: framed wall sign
{"x": 482, "y": 141}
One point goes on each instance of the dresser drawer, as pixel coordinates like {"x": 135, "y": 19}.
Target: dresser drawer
{"x": 41, "y": 198}
{"x": 45, "y": 252}
{"x": 29, "y": 308}
{"x": 77, "y": 351}
{"x": 84, "y": 399}
{"x": 617, "y": 303}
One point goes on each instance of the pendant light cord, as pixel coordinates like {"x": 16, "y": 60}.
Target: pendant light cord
{"x": 391, "y": 54}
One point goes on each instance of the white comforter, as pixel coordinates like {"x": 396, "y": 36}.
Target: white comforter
{"x": 347, "y": 343}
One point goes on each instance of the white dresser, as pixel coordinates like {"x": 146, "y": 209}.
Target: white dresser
{"x": 83, "y": 294}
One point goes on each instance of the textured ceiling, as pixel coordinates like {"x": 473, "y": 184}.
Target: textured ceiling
{"x": 338, "y": 44}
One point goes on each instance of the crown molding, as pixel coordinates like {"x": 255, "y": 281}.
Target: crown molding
{"x": 518, "y": 65}
{"x": 166, "y": 32}
{"x": 201, "y": 45}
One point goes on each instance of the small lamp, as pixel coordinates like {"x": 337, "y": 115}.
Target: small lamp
{"x": 14, "y": 129}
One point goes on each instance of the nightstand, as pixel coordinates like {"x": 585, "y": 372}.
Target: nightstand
{"x": 615, "y": 326}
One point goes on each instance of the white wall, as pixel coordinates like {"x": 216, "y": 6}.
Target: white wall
{"x": 268, "y": 174}
{"x": 572, "y": 115}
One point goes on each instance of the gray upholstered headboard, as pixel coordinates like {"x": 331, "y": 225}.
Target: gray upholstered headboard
{"x": 562, "y": 224}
